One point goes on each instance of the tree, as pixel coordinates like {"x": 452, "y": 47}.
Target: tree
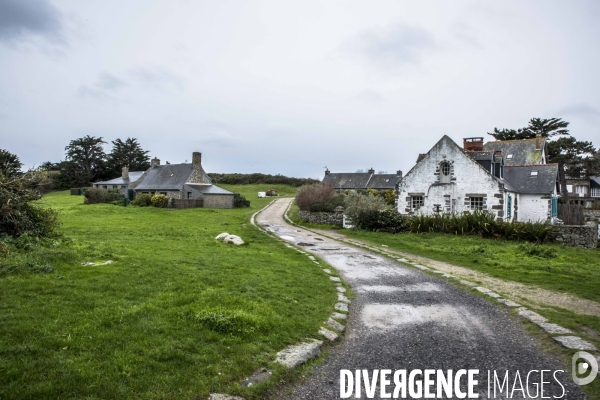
{"x": 87, "y": 156}
{"x": 578, "y": 158}
{"x": 546, "y": 127}
{"x": 9, "y": 164}
{"x": 127, "y": 153}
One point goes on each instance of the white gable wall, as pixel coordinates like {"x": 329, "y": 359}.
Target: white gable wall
{"x": 468, "y": 180}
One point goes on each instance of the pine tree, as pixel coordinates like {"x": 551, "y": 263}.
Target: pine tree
{"x": 127, "y": 153}
{"x": 10, "y": 165}
{"x": 87, "y": 157}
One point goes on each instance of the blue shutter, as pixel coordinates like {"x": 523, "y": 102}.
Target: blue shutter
{"x": 509, "y": 208}
{"x": 554, "y": 203}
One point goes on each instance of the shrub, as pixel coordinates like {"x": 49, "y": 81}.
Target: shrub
{"x": 359, "y": 206}
{"x": 142, "y": 200}
{"x": 389, "y": 196}
{"x": 160, "y": 201}
{"x": 309, "y": 194}
{"x": 387, "y": 220}
{"x": 245, "y": 179}
{"x": 96, "y": 196}
{"x": 537, "y": 250}
{"x": 330, "y": 205}
{"x": 240, "y": 201}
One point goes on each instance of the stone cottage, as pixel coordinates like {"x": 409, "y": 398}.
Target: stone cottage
{"x": 183, "y": 181}
{"x": 451, "y": 179}
{"x": 123, "y": 182}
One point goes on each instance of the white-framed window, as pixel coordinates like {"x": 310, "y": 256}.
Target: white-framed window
{"x": 534, "y": 173}
{"x": 509, "y": 156}
{"x": 476, "y": 203}
{"x": 445, "y": 172}
{"x": 416, "y": 202}
{"x": 189, "y": 195}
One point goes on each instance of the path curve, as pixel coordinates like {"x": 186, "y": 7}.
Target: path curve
{"x": 403, "y": 318}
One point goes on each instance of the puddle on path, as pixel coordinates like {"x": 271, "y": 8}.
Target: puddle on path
{"x": 417, "y": 287}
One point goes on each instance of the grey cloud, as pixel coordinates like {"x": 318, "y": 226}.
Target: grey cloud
{"x": 159, "y": 78}
{"x": 110, "y": 82}
{"x": 371, "y": 97}
{"x": 400, "y": 44}
{"x": 85, "y": 91}
{"x": 584, "y": 111}
{"x": 466, "y": 34}
{"x": 21, "y": 18}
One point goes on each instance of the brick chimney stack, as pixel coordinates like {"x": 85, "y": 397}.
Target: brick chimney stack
{"x": 399, "y": 173}
{"x": 371, "y": 171}
{"x": 538, "y": 141}
{"x": 155, "y": 162}
{"x": 125, "y": 172}
{"x": 473, "y": 144}
{"x": 327, "y": 172}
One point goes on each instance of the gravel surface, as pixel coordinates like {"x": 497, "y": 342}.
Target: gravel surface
{"x": 403, "y": 318}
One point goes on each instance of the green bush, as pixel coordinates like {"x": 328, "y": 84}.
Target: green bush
{"x": 160, "y": 201}
{"x": 387, "y": 220}
{"x": 359, "y": 206}
{"x": 316, "y": 192}
{"x": 240, "y": 201}
{"x": 142, "y": 200}
{"x": 328, "y": 205}
{"x": 97, "y": 196}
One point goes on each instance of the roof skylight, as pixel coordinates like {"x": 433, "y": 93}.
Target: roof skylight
{"x": 534, "y": 173}
{"x": 508, "y": 156}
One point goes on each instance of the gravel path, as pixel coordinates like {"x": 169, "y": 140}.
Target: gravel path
{"x": 403, "y": 318}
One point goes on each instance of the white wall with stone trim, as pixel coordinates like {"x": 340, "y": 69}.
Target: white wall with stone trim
{"x": 533, "y": 208}
{"x": 468, "y": 179}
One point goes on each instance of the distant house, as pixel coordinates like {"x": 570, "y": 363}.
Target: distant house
{"x": 123, "y": 182}
{"x": 450, "y": 179}
{"x": 178, "y": 181}
{"x": 362, "y": 180}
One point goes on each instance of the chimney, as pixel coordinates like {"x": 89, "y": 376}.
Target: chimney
{"x": 399, "y": 173}
{"x": 473, "y": 144}
{"x": 538, "y": 141}
{"x": 125, "y": 172}
{"x": 327, "y": 172}
{"x": 196, "y": 161}
{"x": 155, "y": 162}
{"x": 371, "y": 171}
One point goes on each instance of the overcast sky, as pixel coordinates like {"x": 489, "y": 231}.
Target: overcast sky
{"x": 290, "y": 87}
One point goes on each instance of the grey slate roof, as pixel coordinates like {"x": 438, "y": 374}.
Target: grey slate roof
{"x": 207, "y": 189}
{"x": 523, "y": 151}
{"x": 357, "y": 180}
{"x": 166, "y": 177}
{"x": 133, "y": 176}
{"x": 383, "y": 181}
{"x": 519, "y": 176}
{"x": 594, "y": 181}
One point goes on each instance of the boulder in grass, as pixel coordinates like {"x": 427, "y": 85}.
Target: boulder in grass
{"x": 222, "y": 236}
{"x": 233, "y": 239}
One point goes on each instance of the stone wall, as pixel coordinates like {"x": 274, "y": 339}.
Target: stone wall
{"x": 335, "y": 218}
{"x": 576, "y": 235}
{"x": 218, "y": 200}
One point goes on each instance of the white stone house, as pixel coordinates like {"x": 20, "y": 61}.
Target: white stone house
{"x": 450, "y": 179}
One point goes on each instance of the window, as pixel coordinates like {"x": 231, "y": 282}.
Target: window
{"x": 534, "y": 173}
{"x": 476, "y": 203}
{"x": 445, "y": 172}
{"x": 509, "y": 156}
{"x": 416, "y": 202}
{"x": 114, "y": 186}
{"x": 123, "y": 186}
{"x": 189, "y": 195}
{"x": 104, "y": 187}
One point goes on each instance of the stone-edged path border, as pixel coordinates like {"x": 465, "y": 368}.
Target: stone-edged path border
{"x": 552, "y": 329}
{"x": 295, "y": 355}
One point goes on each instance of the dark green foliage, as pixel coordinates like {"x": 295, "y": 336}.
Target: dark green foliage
{"x": 87, "y": 157}
{"x": 245, "y": 179}
{"x": 479, "y": 223}
{"x": 546, "y": 127}
{"x": 127, "y": 153}
{"x": 9, "y": 164}
{"x": 388, "y": 220}
{"x": 17, "y": 215}
{"x": 96, "y": 196}
{"x": 142, "y": 200}
{"x": 579, "y": 158}
{"x": 328, "y": 205}
{"x": 240, "y": 201}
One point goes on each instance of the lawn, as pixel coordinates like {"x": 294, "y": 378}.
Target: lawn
{"x": 177, "y": 315}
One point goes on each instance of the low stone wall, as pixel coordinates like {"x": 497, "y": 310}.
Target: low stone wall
{"x": 591, "y": 214}
{"x": 576, "y": 235}
{"x": 321, "y": 217}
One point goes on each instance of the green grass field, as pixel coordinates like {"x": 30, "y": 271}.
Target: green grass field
{"x": 177, "y": 315}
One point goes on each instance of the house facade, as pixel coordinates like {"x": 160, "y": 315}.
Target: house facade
{"x": 451, "y": 179}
